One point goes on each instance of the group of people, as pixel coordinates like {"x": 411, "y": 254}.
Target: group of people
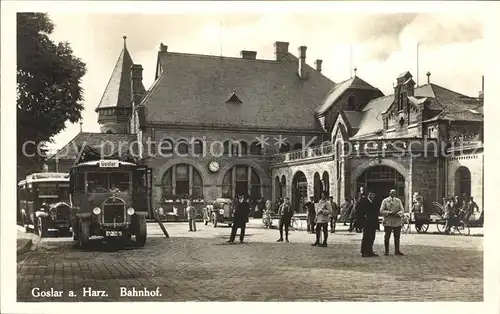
{"x": 362, "y": 213}
{"x": 459, "y": 208}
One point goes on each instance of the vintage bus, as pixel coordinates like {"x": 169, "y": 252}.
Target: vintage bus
{"x": 110, "y": 199}
{"x": 44, "y": 202}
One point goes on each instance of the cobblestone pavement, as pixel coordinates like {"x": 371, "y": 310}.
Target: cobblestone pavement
{"x": 200, "y": 266}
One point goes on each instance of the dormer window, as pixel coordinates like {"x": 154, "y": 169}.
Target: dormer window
{"x": 233, "y": 99}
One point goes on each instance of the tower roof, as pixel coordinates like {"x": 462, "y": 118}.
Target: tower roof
{"x": 118, "y": 91}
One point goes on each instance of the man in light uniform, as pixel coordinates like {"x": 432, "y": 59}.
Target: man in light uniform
{"x": 392, "y": 209}
{"x": 322, "y": 217}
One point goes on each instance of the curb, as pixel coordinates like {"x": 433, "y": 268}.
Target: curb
{"x": 25, "y": 247}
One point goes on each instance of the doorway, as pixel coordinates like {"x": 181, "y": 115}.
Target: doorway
{"x": 381, "y": 179}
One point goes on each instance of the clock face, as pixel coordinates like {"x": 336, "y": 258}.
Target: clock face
{"x": 214, "y": 166}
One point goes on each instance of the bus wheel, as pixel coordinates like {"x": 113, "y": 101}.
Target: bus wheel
{"x": 25, "y": 224}
{"x": 42, "y": 227}
{"x": 140, "y": 236}
{"x": 84, "y": 234}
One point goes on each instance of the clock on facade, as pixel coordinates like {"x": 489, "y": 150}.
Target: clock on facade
{"x": 214, "y": 166}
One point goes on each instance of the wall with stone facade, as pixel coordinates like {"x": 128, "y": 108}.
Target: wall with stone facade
{"x": 473, "y": 162}
{"x": 425, "y": 180}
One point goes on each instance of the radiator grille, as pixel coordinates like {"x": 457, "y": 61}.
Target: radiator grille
{"x": 113, "y": 213}
{"x": 62, "y": 212}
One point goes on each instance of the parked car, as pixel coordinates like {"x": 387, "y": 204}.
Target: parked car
{"x": 43, "y": 203}
{"x": 219, "y": 211}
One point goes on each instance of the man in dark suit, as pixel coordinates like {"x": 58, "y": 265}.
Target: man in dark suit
{"x": 367, "y": 218}
{"x": 311, "y": 214}
{"x": 240, "y": 218}
{"x": 286, "y": 214}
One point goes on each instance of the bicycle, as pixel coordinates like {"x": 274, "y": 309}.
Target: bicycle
{"x": 267, "y": 221}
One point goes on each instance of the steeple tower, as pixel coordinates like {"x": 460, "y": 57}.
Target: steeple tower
{"x": 115, "y": 107}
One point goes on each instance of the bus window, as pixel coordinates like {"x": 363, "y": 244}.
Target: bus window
{"x": 47, "y": 190}
{"x": 63, "y": 191}
{"x": 97, "y": 182}
{"x": 120, "y": 181}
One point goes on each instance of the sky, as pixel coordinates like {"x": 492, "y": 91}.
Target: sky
{"x": 450, "y": 46}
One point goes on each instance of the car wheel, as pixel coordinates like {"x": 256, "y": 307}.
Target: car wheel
{"x": 140, "y": 237}
{"x": 25, "y": 224}
{"x": 83, "y": 238}
{"x": 214, "y": 219}
{"x": 42, "y": 227}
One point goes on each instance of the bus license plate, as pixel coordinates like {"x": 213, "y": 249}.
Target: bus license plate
{"x": 113, "y": 233}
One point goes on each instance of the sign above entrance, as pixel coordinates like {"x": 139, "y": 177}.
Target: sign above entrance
{"x": 109, "y": 164}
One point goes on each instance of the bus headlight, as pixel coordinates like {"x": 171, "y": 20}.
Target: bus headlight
{"x": 130, "y": 211}
{"x": 96, "y": 210}
{"x": 221, "y": 211}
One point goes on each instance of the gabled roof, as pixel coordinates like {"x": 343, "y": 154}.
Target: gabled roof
{"x": 338, "y": 90}
{"x": 446, "y": 99}
{"x": 353, "y": 118}
{"x": 109, "y": 142}
{"x": 118, "y": 91}
{"x": 469, "y": 115}
{"x": 371, "y": 122}
{"x": 193, "y": 90}
{"x": 453, "y": 106}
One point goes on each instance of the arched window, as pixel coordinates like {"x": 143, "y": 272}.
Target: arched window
{"x": 284, "y": 148}
{"x": 277, "y": 189}
{"x": 338, "y": 154}
{"x": 283, "y": 185}
{"x": 244, "y": 148}
{"x": 236, "y": 148}
{"x": 241, "y": 179}
{"x": 180, "y": 181}
{"x": 297, "y": 146}
{"x": 326, "y": 183}
{"x": 299, "y": 191}
{"x": 256, "y": 148}
{"x": 166, "y": 147}
{"x": 226, "y": 148}
{"x": 317, "y": 186}
{"x": 182, "y": 147}
{"x": 198, "y": 147}
{"x": 462, "y": 182}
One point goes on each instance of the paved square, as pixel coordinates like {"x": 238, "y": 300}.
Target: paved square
{"x": 200, "y": 266}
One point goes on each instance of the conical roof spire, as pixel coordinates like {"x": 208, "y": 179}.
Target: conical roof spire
{"x": 118, "y": 91}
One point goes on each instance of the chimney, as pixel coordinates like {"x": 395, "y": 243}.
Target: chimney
{"x": 428, "y": 77}
{"x": 136, "y": 81}
{"x": 318, "y": 65}
{"x": 249, "y": 55}
{"x": 81, "y": 127}
{"x": 280, "y": 50}
{"x": 163, "y": 48}
{"x": 302, "y": 62}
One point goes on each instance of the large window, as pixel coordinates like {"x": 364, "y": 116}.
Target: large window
{"x": 182, "y": 181}
{"x": 105, "y": 182}
{"x": 463, "y": 182}
{"x": 241, "y": 179}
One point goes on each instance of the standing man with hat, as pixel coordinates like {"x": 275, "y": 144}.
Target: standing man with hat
{"x": 368, "y": 219}
{"x": 286, "y": 214}
{"x": 392, "y": 209}
{"x": 241, "y": 212}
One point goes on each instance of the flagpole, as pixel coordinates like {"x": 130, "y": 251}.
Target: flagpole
{"x": 417, "y": 65}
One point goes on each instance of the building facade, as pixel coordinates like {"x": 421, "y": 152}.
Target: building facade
{"x": 213, "y": 127}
